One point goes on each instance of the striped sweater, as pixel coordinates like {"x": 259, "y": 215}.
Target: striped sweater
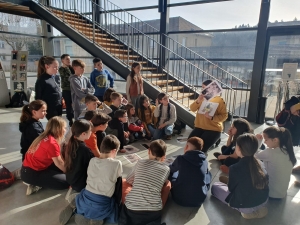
{"x": 147, "y": 179}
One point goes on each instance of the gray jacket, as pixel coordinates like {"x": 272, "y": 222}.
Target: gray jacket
{"x": 80, "y": 87}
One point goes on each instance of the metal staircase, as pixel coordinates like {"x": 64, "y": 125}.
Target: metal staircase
{"x": 119, "y": 39}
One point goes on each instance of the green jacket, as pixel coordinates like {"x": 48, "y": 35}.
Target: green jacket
{"x": 65, "y": 73}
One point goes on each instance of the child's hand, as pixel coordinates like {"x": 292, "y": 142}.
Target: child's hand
{"x": 207, "y": 116}
{"x": 259, "y": 137}
{"x": 142, "y": 129}
{"x": 98, "y": 102}
{"x": 230, "y": 131}
{"x": 220, "y": 157}
{"x": 161, "y": 126}
{"x": 124, "y": 101}
{"x": 126, "y": 135}
{"x": 156, "y": 102}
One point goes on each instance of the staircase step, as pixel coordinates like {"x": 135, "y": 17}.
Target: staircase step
{"x": 180, "y": 95}
{"x": 149, "y": 68}
{"x": 96, "y": 34}
{"x": 124, "y": 57}
{"x": 116, "y": 50}
{"x": 153, "y": 75}
{"x": 57, "y": 11}
{"x": 70, "y": 17}
{"x": 162, "y": 82}
{"x": 172, "y": 88}
{"x": 138, "y": 62}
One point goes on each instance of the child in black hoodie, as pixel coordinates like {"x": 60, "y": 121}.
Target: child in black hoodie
{"x": 30, "y": 126}
{"x": 189, "y": 175}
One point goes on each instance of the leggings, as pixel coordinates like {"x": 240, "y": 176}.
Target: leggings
{"x": 209, "y": 137}
{"x": 52, "y": 177}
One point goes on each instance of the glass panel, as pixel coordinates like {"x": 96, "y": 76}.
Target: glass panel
{"x": 65, "y": 45}
{"x": 133, "y": 4}
{"x": 282, "y": 49}
{"x": 284, "y": 13}
{"x": 218, "y": 15}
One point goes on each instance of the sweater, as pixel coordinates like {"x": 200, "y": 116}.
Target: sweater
{"x": 80, "y": 87}
{"x": 77, "y": 176}
{"x": 164, "y": 114}
{"x": 99, "y": 81}
{"x": 279, "y": 168}
{"x": 47, "y": 89}
{"x": 242, "y": 192}
{"x": 149, "y": 117}
{"x": 191, "y": 185}
{"x": 30, "y": 130}
{"x": 216, "y": 123}
{"x": 65, "y": 73}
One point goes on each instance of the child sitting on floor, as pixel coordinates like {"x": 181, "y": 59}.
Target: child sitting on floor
{"x": 143, "y": 204}
{"x": 247, "y": 189}
{"x": 146, "y": 114}
{"x": 135, "y": 125}
{"x": 117, "y": 102}
{"x": 279, "y": 159}
{"x": 96, "y": 203}
{"x": 189, "y": 175}
{"x": 77, "y": 155}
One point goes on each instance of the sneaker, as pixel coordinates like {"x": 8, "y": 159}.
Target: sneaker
{"x": 223, "y": 179}
{"x": 224, "y": 169}
{"x": 296, "y": 170}
{"x": 260, "y": 213}
{"x": 169, "y": 137}
{"x": 31, "y": 189}
{"x": 217, "y": 154}
{"x": 17, "y": 174}
{"x": 66, "y": 214}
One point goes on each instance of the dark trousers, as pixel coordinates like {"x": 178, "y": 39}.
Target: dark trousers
{"x": 54, "y": 111}
{"x": 52, "y": 177}
{"x": 208, "y": 136}
{"x": 69, "y": 110}
{"x": 131, "y": 217}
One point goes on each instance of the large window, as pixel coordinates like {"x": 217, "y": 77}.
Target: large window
{"x": 284, "y": 13}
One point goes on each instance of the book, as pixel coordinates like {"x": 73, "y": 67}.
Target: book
{"x": 208, "y": 107}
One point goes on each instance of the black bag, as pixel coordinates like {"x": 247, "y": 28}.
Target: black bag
{"x": 17, "y": 100}
{"x": 179, "y": 125}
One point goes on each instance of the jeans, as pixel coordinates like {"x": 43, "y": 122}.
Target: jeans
{"x": 151, "y": 129}
{"x": 159, "y": 133}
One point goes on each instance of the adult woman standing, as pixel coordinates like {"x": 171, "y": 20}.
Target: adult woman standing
{"x": 46, "y": 88}
{"x": 207, "y": 127}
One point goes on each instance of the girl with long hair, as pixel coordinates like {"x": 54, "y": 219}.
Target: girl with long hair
{"x": 247, "y": 189}
{"x": 134, "y": 84}
{"x": 43, "y": 165}
{"x": 279, "y": 159}
{"x": 146, "y": 114}
{"x": 77, "y": 156}
{"x": 46, "y": 87}
{"x": 30, "y": 125}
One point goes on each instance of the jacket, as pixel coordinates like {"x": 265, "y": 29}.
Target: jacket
{"x": 65, "y": 73}
{"x": 80, "y": 87}
{"x": 30, "y": 130}
{"x": 242, "y": 192}
{"x": 116, "y": 124}
{"x": 191, "y": 185}
{"x": 99, "y": 80}
{"x": 48, "y": 90}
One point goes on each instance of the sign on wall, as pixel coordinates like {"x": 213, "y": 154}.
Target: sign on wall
{"x": 18, "y": 74}
{"x": 289, "y": 71}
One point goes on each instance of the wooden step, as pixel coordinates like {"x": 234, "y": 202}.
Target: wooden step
{"x": 162, "y": 82}
{"x": 138, "y": 62}
{"x": 172, "y": 88}
{"x": 68, "y": 17}
{"x": 124, "y": 57}
{"x": 149, "y": 68}
{"x": 57, "y": 11}
{"x": 180, "y": 95}
{"x": 75, "y": 23}
{"x": 108, "y": 45}
{"x": 116, "y": 50}
{"x": 99, "y": 39}
{"x": 153, "y": 75}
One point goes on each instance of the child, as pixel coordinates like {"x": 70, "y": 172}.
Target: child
{"x": 279, "y": 159}
{"x": 135, "y": 125}
{"x": 247, "y": 189}
{"x": 117, "y": 102}
{"x": 99, "y": 79}
{"x": 77, "y": 155}
{"x": 134, "y": 84}
{"x": 80, "y": 87}
{"x": 106, "y": 97}
{"x": 29, "y": 125}
{"x": 65, "y": 72}
{"x": 43, "y": 165}
{"x": 99, "y": 122}
{"x": 189, "y": 175}
{"x": 165, "y": 112}
{"x": 117, "y": 127}
{"x": 91, "y": 103}
{"x": 228, "y": 156}
{"x": 103, "y": 121}
{"x": 96, "y": 202}
{"x": 146, "y": 114}
{"x": 143, "y": 204}
{"x": 46, "y": 88}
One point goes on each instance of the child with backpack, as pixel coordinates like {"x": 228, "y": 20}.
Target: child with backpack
{"x": 29, "y": 125}
{"x": 165, "y": 112}
{"x": 77, "y": 156}
{"x": 247, "y": 190}
{"x": 279, "y": 159}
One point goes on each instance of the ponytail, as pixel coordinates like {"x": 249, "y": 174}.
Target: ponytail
{"x": 27, "y": 109}
{"x": 44, "y": 60}
{"x": 259, "y": 179}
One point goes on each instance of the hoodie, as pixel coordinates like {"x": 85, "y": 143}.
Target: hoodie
{"x": 30, "y": 130}
{"x": 80, "y": 87}
{"x": 116, "y": 124}
{"x": 190, "y": 179}
{"x": 99, "y": 80}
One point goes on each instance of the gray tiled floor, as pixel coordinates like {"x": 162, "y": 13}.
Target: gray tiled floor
{"x": 43, "y": 207}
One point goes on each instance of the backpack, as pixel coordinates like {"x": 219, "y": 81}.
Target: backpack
{"x": 17, "y": 100}
{"x": 283, "y": 118}
{"x": 6, "y": 177}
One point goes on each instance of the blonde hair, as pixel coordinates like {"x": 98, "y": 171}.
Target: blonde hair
{"x": 55, "y": 128}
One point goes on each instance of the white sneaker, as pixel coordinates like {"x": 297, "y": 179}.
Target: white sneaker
{"x": 17, "y": 174}
{"x": 31, "y": 189}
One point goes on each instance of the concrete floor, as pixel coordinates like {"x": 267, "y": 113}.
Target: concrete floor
{"x": 44, "y": 206}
